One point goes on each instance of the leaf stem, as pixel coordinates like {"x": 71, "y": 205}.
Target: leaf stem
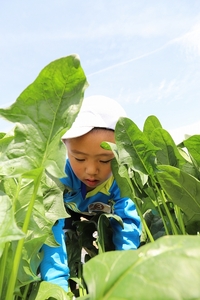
{"x": 101, "y": 245}
{"x": 3, "y": 265}
{"x": 82, "y": 290}
{"x": 173, "y": 225}
{"x": 144, "y": 224}
{"x": 26, "y": 289}
{"x": 162, "y": 216}
{"x": 18, "y": 253}
{"x": 179, "y": 219}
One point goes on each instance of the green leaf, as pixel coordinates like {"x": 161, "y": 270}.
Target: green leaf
{"x": 166, "y": 269}
{"x": 2, "y": 134}
{"x": 45, "y": 110}
{"x": 74, "y": 247}
{"x": 105, "y": 232}
{"x": 122, "y": 179}
{"x": 193, "y": 144}
{"x": 9, "y": 230}
{"x": 168, "y": 153}
{"x": 133, "y": 147}
{"x": 130, "y": 182}
{"x": 57, "y": 91}
{"x": 183, "y": 190}
{"x": 46, "y": 290}
{"x": 33, "y": 159}
{"x": 48, "y": 206}
{"x": 29, "y": 263}
{"x": 150, "y": 124}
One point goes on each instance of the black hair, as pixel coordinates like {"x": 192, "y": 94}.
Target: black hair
{"x": 104, "y": 128}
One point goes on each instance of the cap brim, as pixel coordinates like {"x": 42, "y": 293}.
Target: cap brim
{"x": 74, "y": 132}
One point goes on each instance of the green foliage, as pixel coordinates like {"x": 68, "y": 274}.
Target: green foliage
{"x": 157, "y": 175}
{"x": 46, "y": 290}
{"x": 32, "y": 161}
{"x": 89, "y": 238}
{"x": 162, "y": 179}
{"x": 166, "y": 269}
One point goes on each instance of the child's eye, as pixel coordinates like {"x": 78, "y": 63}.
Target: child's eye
{"x": 105, "y": 161}
{"x": 79, "y": 159}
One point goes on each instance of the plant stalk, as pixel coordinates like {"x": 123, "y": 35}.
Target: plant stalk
{"x": 180, "y": 219}
{"x": 24, "y": 297}
{"x": 101, "y": 245}
{"x": 162, "y": 216}
{"x": 162, "y": 196}
{"x": 144, "y": 224}
{"x": 3, "y": 265}
{"x": 18, "y": 253}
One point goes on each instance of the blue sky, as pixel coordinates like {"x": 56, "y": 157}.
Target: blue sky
{"x": 145, "y": 54}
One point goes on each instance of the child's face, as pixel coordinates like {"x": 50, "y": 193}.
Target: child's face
{"x": 91, "y": 163}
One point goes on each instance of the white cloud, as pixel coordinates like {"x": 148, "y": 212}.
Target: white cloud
{"x": 137, "y": 100}
{"x": 162, "y": 85}
{"x": 181, "y": 133}
{"x": 191, "y": 40}
{"x": 132, "y": 59}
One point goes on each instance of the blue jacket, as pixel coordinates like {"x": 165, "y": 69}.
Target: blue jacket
{"x": 105, "y": 197}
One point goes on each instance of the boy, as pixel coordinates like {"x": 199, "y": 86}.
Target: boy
{"x": 91, "y": 184}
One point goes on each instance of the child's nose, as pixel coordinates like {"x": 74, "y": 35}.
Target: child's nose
{"x": 91, "y": 169}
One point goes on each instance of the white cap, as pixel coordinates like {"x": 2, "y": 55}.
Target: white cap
{"x": 96, "y": 111}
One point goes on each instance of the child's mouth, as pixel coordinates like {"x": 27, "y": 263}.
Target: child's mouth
{"x": 91, "y": 183}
